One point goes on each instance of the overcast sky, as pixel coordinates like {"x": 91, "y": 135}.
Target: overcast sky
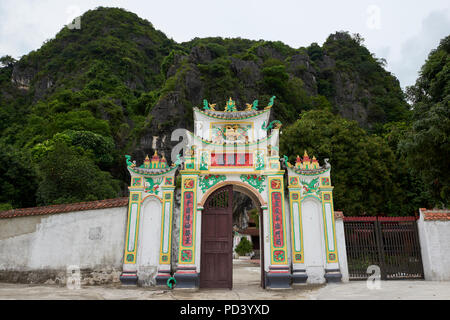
{"x": 403, "y": 32}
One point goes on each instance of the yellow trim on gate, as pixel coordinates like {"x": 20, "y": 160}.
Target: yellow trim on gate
{"x": 283, "y": 213}
{"x": 161, "y": 250}
{"x": 330, "y": 201}
{"x": 151, "y": 195}
{"x": 134, "y": 252}
{"x": 291, "y": 206}
{"x": 188, "y": 175}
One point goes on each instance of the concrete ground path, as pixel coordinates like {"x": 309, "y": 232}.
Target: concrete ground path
{"x": 246, "y": 286}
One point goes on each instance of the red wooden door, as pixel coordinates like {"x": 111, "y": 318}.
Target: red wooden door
{"x": 216, "y": 266}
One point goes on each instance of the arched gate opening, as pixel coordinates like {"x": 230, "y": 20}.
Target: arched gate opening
{"x": 216, "y": 262}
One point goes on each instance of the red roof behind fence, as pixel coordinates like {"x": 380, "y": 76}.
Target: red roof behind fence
{"x": 381, "y": 219}
{"x": 63, "y": 208}
{"x": 435, "y": 214}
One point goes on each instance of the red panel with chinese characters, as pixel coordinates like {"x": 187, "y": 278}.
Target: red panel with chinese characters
{"x": 188, "y": 218}
{"x": 231, "y": 159}
{"x": 277, "y": 220}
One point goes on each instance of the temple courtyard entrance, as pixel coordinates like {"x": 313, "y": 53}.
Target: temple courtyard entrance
{"x": 248, "y": 288}
{"x": 222, "y": 218}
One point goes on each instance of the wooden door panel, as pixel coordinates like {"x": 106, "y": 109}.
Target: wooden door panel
{"x": 210, "y": 231}
{"x": 222, "y": 227}
{"x": 216, "y": 245}
{"x": 207, "y": 271}
{"x": 222, "y": 267}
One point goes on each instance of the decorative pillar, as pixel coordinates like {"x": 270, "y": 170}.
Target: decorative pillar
{"x": 278, "y": 275}
{"x": 332, "y": 271}
{"x": 129, "y": 271}
{"x": 298, "y": 259}
{"x": 166, "y": 231}
{"x": 153, "y": 178}
{"x": 265, "y": 237}
{"x": 186, "y": 274}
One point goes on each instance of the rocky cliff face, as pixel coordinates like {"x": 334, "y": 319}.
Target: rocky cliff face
{"x": 297, "y": 80}
{"x": 146, "y": 85}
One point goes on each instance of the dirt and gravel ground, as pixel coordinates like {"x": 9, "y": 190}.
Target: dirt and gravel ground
{"x": 246, "y": 286}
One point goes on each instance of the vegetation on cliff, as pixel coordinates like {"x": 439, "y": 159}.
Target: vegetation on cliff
{"x": 70, "y": 110}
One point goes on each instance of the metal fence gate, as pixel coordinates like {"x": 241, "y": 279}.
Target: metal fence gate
{"x": 392, "y": 243}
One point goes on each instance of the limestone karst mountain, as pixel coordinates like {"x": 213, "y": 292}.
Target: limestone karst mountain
{"x": 119, "y": 86}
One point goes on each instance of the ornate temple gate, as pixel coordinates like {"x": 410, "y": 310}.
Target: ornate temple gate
{"x": 392, "y": 243}
{"x": 217, "y": 240}
{"x": 230, "y": 150}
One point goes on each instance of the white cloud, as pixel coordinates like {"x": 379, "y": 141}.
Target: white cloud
{"x": 26, "y": 24}
{"x": 414, "y": 51}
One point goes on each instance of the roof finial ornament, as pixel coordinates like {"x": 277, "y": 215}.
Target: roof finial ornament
{"x": 253, "y": 106}
{"x": 298, "y": 162}
{"x": 130, "y": 163}
{"x": 286, "y": 161}
{"x": 305, "y": 156}
{"x": 270, "y": 104}
{"x": 208, "y": 106}
{"x": 231, "y": 106}
{"x": 146, "y": 163}
{"x": 205, "y": 104}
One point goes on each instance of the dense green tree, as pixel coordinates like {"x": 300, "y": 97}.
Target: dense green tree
{"x": 415, "y": 194}
{"x": 93, "y": 92}
{"x": 18, "y": 182}
{"x": 69, "y": 175}
{"x": 244, "y": 247}
{"x": 352, "y": 60}
{"x": 7, "y": 61}
{"x": 315, "y": 52}
{"x": 100, "y": 148}
{"x": 363, "y": 166}
{"x": 427, "y": 144}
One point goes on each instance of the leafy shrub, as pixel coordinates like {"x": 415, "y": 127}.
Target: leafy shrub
{"x": 244, "y": 247}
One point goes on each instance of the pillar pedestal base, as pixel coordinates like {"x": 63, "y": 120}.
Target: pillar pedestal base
{"x": 333, "y": 275}
{"x": 299, "y": 276}
{"x": 187, "y": 279}
{"x": 162, "y": 277}
{"x": 276, "y": 280}
{"x": 129, "y": 278}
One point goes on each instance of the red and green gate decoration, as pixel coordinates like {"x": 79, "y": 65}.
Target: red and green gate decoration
{"x": 256, "y": 181}
{"x": 188, "y": 218}
{"x": 279, "y": 256}
{"x": 210, "y": 180}
{"x": 277, "y": 218}
{"x": 186, "y": 255}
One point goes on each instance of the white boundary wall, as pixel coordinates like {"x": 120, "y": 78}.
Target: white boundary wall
{"x": 342, "y": 252}
{"x": 434, "y": 236}
{"x": 49, "y": 244}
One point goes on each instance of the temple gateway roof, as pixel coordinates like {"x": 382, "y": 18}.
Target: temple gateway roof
{"x": 230, "y": 112}
{"x": 235, "y": 115}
